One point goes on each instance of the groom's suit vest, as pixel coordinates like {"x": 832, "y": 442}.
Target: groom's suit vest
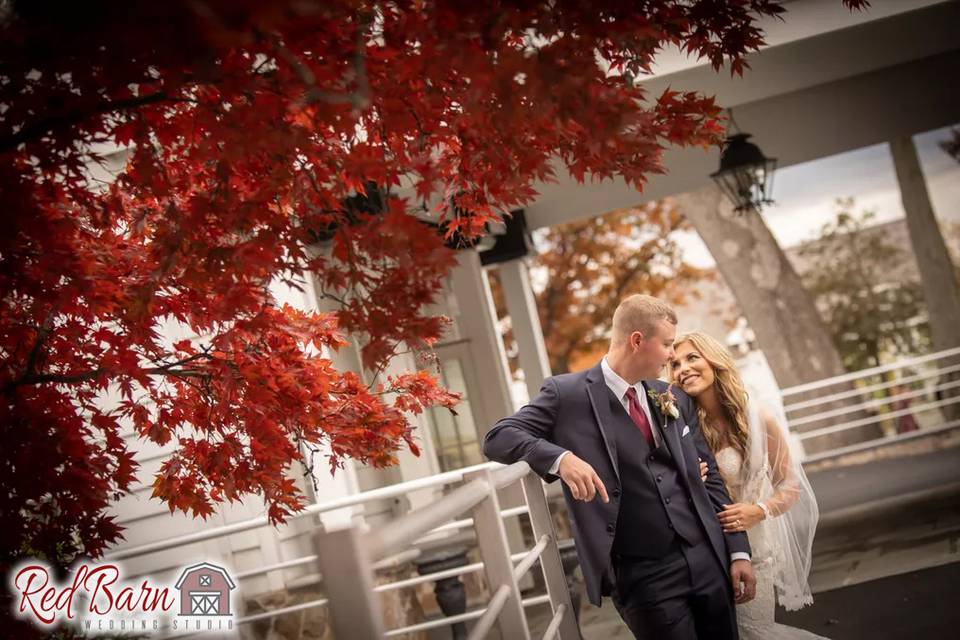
{"x": 655, "y": 508}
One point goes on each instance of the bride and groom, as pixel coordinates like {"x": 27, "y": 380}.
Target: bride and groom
{"x": 688, "y": 507}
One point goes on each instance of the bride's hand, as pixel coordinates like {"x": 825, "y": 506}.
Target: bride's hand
{"x": 739, "y": 516}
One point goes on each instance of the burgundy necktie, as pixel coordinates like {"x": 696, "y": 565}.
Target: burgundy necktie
{"x": 639, "y": 416}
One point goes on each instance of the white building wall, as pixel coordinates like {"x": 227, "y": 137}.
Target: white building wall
{"x": 147, "y": 520}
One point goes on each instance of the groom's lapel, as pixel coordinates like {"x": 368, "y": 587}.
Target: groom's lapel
{"x": 668, "y": 429}
{"x": 599, "y": 395}
{"x": 658, "y": 417}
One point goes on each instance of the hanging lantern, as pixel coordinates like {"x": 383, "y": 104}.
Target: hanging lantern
{"x": 745, "y": 174}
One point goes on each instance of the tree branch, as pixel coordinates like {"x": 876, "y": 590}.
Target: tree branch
{"x": 359, "y": 99}
{"x": 76, "y": 116}
{"x": 174, "y": 369}
{"x": 42, "y": 333}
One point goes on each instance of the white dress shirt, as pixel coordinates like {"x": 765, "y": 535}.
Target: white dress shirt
{"x": 619, "y": 386}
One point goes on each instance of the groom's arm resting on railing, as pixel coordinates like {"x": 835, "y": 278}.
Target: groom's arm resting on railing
{"x": 527, "y": 435}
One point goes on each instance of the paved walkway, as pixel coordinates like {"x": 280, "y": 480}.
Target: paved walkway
{"x": 917, "y": 605}
{"x": 888, "y": 530}
{"x": 867, "y": 564}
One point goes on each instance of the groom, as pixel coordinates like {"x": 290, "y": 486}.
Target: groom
{"x": 645, "y": 525}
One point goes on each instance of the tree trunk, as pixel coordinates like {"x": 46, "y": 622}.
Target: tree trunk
{"x": 933, "y": 260}
{"x": 780, "y": 311}
{"x": 789, "y": 330}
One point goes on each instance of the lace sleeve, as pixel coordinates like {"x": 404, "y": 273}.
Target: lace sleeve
{"x": 790, "y": 499}
{"x": 784, "y": 477}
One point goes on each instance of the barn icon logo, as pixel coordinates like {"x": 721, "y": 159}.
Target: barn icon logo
{"x": 205, "y": 590}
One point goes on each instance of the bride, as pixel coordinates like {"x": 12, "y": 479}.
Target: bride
{"x": 774, "y": 503}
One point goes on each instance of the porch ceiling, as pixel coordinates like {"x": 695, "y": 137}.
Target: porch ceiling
{"x": 815, "y": 93}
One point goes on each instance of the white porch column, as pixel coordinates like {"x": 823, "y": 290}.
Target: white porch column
{"x": 936, "y": 269}
{"x": 410, "y": 466}
{"x": 522, "y": 305}
{"x": 476, "y": 320}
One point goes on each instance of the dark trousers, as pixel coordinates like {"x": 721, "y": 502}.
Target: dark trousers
{"x": 684, "y": 596}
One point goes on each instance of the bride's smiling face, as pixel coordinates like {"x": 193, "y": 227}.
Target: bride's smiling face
{"x": 690, "y": 370}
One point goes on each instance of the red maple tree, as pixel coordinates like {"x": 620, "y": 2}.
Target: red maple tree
{"x": 251, "y": 130}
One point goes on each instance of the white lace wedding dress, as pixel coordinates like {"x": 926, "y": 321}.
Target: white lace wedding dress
{"x": 778, "y": 571}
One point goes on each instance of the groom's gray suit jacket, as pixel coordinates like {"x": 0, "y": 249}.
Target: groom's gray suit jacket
{"x": 656, "y": 497}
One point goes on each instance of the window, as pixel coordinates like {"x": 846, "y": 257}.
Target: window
{"x": 455, "y": 436}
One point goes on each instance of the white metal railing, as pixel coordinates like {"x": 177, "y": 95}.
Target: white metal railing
{"x": 351, "y": 551}
{"x": 863, "y": 373}
{"x": 373, "y": 495}
{"x": 876, "y": 403}
{"x": 870, "y": 388}
{"x": 901, "y": 401}
{"x": 358, "y": 553}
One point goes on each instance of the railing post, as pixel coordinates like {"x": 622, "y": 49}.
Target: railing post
{"x": 553, "y": 574}
{"x": 495, "y": 554}
{"x": 348, "y": 579}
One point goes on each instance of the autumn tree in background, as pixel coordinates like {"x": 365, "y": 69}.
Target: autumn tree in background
{"x": 249, "y": 128}
{"x": 857, "y": 276}
{"x": 589, "y": 266}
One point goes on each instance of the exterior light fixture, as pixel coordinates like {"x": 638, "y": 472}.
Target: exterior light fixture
{"x": 745, "y": 175}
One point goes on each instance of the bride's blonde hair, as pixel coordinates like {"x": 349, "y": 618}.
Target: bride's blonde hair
{"x": 731, "y": 392}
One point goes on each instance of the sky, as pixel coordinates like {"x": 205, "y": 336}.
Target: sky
{"x": 805, "y": 194}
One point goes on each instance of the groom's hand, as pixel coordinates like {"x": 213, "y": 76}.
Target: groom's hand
{"x": 583, "y": 481}
{"x": 744, "y": 582}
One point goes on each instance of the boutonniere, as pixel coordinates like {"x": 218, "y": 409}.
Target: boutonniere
{"x": 665, "y": 402}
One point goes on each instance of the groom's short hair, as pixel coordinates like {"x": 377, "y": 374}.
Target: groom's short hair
{"x": 640, "y": 312}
